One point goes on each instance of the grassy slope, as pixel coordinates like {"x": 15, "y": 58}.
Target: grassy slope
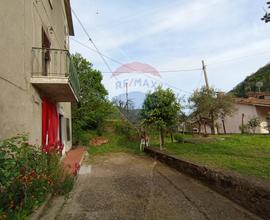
{"x": 249, "y": 84}
{"x": 248, "y": 155}
{"x": 117, "y": 143}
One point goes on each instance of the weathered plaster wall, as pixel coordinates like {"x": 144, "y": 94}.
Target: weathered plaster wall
{"x": 21, "y": 22}
{"x": 233, "y": 122}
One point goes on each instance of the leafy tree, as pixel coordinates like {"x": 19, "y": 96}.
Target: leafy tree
{"x": 94, "y": 106}
{"x": 209, "y": 105}
{"x": 160, "y": 109}
{"x": 254, "y": 123}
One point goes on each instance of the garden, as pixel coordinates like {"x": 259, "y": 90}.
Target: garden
{"x": 27, "y": 176}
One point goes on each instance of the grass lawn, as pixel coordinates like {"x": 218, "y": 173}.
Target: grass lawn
{"x": 246, "y": 154}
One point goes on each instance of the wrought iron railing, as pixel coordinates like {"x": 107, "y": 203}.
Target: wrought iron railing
{"x": 73, "y": 79}
{"x": 54, "y": 63}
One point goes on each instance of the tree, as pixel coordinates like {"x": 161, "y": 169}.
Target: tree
{"x": 208, "y": 105}
{"x": 94, "y": 106}
{"x": 266, "y": 17}
{"x": 250, "y": 83}
{"x": 160, "y": 109}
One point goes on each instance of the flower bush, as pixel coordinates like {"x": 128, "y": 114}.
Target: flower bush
{"x": 27, "y": 175}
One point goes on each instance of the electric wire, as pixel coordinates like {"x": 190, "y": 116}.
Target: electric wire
{"x": 120, "y": 63}
{"x": 90, "y": 39}
{"x": 132, "y": 69}
{"x": 125, "y": 117}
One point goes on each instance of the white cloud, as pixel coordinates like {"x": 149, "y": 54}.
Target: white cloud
{"x": 178, "y": 35}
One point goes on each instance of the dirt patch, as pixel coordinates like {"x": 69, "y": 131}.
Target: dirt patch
{"x": 98, "y": 141}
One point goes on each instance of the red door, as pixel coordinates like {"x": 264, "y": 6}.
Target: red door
{"x": 50, "y": 126}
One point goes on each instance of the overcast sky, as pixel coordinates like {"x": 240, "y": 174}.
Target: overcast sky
{"x": 177, "y": 34}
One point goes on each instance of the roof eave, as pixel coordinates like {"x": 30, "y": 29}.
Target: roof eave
{"x": 69, "y": 17}
{"x": 262, "y": 105}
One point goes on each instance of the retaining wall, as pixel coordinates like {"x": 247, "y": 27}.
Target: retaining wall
{"x": 251, "y": 195}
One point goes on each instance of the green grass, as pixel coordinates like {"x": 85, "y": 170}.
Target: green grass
{"x": 246, "y": 154}
{"x": 117, "y": 143}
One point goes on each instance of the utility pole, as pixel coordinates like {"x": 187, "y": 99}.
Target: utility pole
{"x": 205, "y": 74}
{"x": 127, "y": 97}
{"x": 213, "y": 130}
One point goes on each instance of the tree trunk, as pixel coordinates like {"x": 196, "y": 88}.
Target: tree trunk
{"x": 242, "y": 123}
{"x": 205, "y": 130}
{"x": 224, "y": 128}
{"x": 171, "y": 137}
{"x": 217, "y": 127}
{"x": 200, "y": 127}
{"x": 212, "y": 125}
{"x": 161, "y": 138}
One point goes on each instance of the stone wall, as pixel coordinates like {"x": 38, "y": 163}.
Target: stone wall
{"x": 250, "y": 194}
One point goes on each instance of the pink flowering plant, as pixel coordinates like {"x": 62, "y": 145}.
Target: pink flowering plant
{"x": 27, "y": 176}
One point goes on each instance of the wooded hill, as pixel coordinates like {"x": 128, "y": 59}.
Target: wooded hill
{"x": 256, "y": 82}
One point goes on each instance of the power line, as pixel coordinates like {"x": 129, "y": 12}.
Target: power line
{"x": 163, "y": 71}
{"x": 132, "y": 69}
{"x": 90, "y": 39}
{"x": 84, "y": 45}
{"x": 101, "y": 55}
{"x": 120, "y": 63}
{"x": 199, "y": 81}
{"x": 237, "y": 58}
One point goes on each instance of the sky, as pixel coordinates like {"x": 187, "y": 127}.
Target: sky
{"x": 175, "y": 35}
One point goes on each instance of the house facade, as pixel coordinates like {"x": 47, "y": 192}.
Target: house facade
{"x": 38, "y": 82}
{"x": 256, "y": 105}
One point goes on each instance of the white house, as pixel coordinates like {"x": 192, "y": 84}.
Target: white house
{"x": 256, "y": 105}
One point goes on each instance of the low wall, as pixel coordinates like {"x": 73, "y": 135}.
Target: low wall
{"x": 251, "y": 195}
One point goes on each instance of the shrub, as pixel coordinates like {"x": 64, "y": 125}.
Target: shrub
{"x": 82, "y": 137}
{"x": 125, "y": 129}
{"x": 179, "y": 138}
{"x": 244, "y": 129}
{"x": 254, "y": 123}
{"x": 27, "y": 175}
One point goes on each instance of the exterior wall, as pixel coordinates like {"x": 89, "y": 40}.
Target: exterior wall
{"x": 262, "y": 114}
{"x": 65, "y": 110}
{"x": 233, "y": 122}
{"x": 21, "y": 22}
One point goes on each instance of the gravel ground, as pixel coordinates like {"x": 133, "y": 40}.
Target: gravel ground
{"x": 125, "y": 186}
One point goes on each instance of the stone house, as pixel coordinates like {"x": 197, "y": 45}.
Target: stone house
{"x": 38, "y": 82}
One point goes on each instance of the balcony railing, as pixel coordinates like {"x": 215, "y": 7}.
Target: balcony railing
{"x": 55, "y": 64}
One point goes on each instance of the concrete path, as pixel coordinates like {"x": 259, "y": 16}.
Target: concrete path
{"x": 124, "y": 186}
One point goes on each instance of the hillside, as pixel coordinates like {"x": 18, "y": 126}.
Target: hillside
{"x": 258, "y": 81}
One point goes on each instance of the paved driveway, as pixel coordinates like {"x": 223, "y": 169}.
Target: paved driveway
{"x": 124, "y": 186}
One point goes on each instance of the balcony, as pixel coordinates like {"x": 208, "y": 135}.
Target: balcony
{"x": 54, "y": 75}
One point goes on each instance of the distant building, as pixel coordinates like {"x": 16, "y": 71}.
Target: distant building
{"x": 37, "y": 79}
{"x": 256, "y": 105}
